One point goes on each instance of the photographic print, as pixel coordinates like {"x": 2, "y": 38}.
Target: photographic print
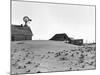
{"x": 52, "y": 37}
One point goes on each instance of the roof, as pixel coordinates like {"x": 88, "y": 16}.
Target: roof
{"x": 76, "y": 39}
{"x": 61, "y": 36}
{"x": 22, "y": 30}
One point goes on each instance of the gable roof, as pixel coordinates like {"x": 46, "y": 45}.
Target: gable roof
{"x": 22, "y": 30}
{"x": 60, "y": 37}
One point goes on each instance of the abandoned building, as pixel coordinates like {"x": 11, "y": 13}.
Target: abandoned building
{"x": 61, "y": 37}
{"x": 64, "y": 37}
{"x": 77, "y": 41}
{"x": 20, "y": 32}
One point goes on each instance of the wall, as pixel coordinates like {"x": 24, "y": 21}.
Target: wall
{"x": 28, "y": 37}
{"x": 21, "y": 37}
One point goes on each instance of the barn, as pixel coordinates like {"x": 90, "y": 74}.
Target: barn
{"x": 64, "y": 37}
{"x": 20, "y": 32}
{"x": 61, "y": 37}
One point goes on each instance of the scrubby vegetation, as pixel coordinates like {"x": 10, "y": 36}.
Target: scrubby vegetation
{"x": 49, "y": 56}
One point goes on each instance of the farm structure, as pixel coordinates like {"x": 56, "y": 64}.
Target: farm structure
{"x": 19, "y": 32}
{"x": 64, "y": 37}
{"x": 77, "y": 41}
{"x": 61, "y": 37}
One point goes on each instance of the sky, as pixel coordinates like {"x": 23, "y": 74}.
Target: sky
{"x": 49, "y": 19}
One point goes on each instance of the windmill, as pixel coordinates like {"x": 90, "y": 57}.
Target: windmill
{"x": 26, "y": 19}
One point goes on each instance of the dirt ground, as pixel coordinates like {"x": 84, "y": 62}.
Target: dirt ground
{"x": 50, "y": 56}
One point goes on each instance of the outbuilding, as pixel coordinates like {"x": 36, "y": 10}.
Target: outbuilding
{"x": 61, "y": 37}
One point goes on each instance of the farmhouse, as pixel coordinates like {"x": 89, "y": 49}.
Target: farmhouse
{"x": 20, "y": 32}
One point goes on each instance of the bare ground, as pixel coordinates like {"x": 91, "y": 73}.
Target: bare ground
{"x": 50, "y": 56}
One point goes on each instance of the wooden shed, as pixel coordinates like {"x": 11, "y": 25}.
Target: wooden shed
{"x": 64, "y": 37}
{"x": 19, "y": 32}
{"x": 61, "y": 37}
{"x": 77, "y": 41}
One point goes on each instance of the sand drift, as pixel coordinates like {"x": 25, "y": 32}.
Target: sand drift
{"x": 50, "y": 56}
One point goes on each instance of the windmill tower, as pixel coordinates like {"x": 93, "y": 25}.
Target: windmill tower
{"x": 26, "y": 19}
{"x": 20, "y": 32}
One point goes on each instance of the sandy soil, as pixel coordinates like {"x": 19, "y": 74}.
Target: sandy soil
{"x": 50, "y": 56}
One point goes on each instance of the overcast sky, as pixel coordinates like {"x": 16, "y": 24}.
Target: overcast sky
{"x": 48, "y": 19}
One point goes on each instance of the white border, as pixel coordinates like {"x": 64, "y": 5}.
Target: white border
{"x": 5, "y": 36}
